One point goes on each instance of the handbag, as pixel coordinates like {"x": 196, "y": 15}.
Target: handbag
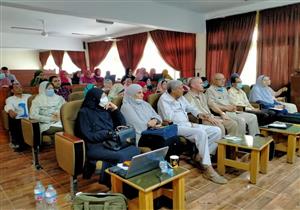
{"x": 165, "y": 132}
{"x": 99, "y": 201}
{"x": 123, "y": 136}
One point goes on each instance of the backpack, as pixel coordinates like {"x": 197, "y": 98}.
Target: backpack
{"x": 99, "y": 201}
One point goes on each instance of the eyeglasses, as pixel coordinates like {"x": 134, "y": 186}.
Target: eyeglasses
{"x": 56, "y": 81}
{"x": 221, "y": 79}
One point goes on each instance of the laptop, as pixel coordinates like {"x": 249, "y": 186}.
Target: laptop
{"x": 141, "y": 163}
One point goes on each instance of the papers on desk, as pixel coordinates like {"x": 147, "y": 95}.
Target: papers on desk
{"x": 232, "y": 138}
{"x": 121, "y": 165}
{"x": 277, "y": 124}
{"x": 277, "y": 109}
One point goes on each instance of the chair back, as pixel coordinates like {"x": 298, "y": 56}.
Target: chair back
{"x": 29, "y": 101}
{"x": 69, "y": 112}
{"x": 246, "y": 89}
{"x": 118, "y": 101}
{"x": 153, "y": 99}
{"x": 78, "y": 95}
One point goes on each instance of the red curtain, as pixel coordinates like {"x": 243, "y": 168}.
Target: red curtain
{"x": 97, "y": 52}
{"x": 228, "y": 43}
{"x": 78, "y": 58}
{"x": 279, "y": 43}
{"x": 58, "y": 56}
{"x": 131, "y": 49}
{"x": 44, "y": 57}
{"x": 177, "y": 49}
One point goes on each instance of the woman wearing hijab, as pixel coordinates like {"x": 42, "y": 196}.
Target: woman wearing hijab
{"x": 98, "y": 78}
{"x": 166, "y": 75}
{"x": 146, "y": 92}
{"x": 261, "y": 93}
{"x": 87, "y": 78}
{"x": 116, "y": 90}
{"x": 87, "y": 88}
{"x": 128, "y": 74}
{"x": 76, "y": 77}
{"x": 96, "y": 121}
{"x": 140, "y": 115}
{"x": 64, "y": 78}
{"x": 161, "y": 86}
{"x": 45, "y": 109}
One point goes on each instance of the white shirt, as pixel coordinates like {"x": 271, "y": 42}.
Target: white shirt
{"x": 175, "y": 110}
{"x": 18, "y": 105}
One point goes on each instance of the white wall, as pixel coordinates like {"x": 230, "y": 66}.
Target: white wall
{"x": 29, "y": 41}
{"x": 19, "y": 58}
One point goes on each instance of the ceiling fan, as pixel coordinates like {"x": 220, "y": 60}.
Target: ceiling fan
{"x": 110, "y": 38}
{"x": 42, "y": 30}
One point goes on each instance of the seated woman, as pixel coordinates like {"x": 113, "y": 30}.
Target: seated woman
{"x": 95, "y": 123}
{"x": 146, "y": 92}
{"x": 116, "y": 90}
{"x": 45, "y": 108}
{"x": 161, "y": 86}
{"x": 261, "y": 94}
{"x": 140, "y": 115}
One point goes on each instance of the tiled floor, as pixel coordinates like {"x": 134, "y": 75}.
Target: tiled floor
{"x": 278, "y": 189}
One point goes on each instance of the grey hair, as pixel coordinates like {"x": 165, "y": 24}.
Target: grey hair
{"x": 173, "y": 84}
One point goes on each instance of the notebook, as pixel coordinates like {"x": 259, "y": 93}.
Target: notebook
{"x": 141, "y": 163}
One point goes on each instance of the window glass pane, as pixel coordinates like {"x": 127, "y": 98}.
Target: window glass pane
{"x": 248, "y": 75}
{"x": 68, "y": 65}
{"x": 50, "y": 64}
{"x": 112, "y": 63}
{"x": 152, "y": 59}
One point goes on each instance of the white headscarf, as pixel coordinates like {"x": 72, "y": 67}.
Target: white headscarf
{"x": 44, "y": 99}
{"x": 137, "y": 112}
{"x": 259, "y": 92}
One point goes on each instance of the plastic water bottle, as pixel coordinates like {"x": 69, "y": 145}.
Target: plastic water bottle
{"x": 50, "y": 198}
{"x": 39, "y": 195}
{"x": 163, "y": 165}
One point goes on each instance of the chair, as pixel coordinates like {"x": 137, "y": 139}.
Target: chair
{"x": 69, "y": 149}
{"x": 78, "y": 95}
{"x": 32, "y": 135}
{"x": 153, "y": 99}
{"x": 80, "y": 87}
{"x": 247, "y": 89}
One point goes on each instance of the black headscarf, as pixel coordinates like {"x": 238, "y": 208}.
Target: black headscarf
{"x": 92, "y": 98}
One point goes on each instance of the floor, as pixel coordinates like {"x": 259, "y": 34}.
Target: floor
{"x": 278, "y": 189}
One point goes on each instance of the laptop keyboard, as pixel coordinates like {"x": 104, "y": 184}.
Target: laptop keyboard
{"x": 117, "y": 170}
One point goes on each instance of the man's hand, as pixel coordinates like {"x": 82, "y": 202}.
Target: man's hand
{"x": 12, "y": 114}
{"x": 111, "y": 106}
{"x": 152, "y": 123}
{"x": 279, "y": 106}
{"x": 224, "y": 116}
{"x": 214, "y": 121}
{"x": 203, "y": 116}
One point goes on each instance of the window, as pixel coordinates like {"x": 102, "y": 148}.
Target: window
{"x": 249, "y": 73}
{"x": 112, "y": 63}
{"x": 151, "y": 59}
{"x": 67, "y": 64}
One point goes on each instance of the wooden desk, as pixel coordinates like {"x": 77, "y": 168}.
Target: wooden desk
{"x": 150, "y": 185}
{"x": 292, "y": 134}
{"x": 259, "y": 147}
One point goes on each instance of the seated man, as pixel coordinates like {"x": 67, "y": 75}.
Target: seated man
{"x": 107, "y": 85}
{"x": 16, "y": 107}
{"x": 218, "y": 95}
{"x": 239, "y": 98}
{"x": 172, "y": 106}
{"x": 6, "y": 78}
{"x": 198, "y": 99}
{"x": 58, "y": 89}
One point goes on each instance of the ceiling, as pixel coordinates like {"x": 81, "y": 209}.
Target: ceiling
{"x": 206, "y": 6}
{"x": 58, "y": 25}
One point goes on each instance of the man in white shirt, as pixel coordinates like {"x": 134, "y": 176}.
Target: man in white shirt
{"x": 6, "y": 78}
{"x": 16, "y": 107}
{"x": 218, "y": 95}
{"x": 172, "y": 106}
